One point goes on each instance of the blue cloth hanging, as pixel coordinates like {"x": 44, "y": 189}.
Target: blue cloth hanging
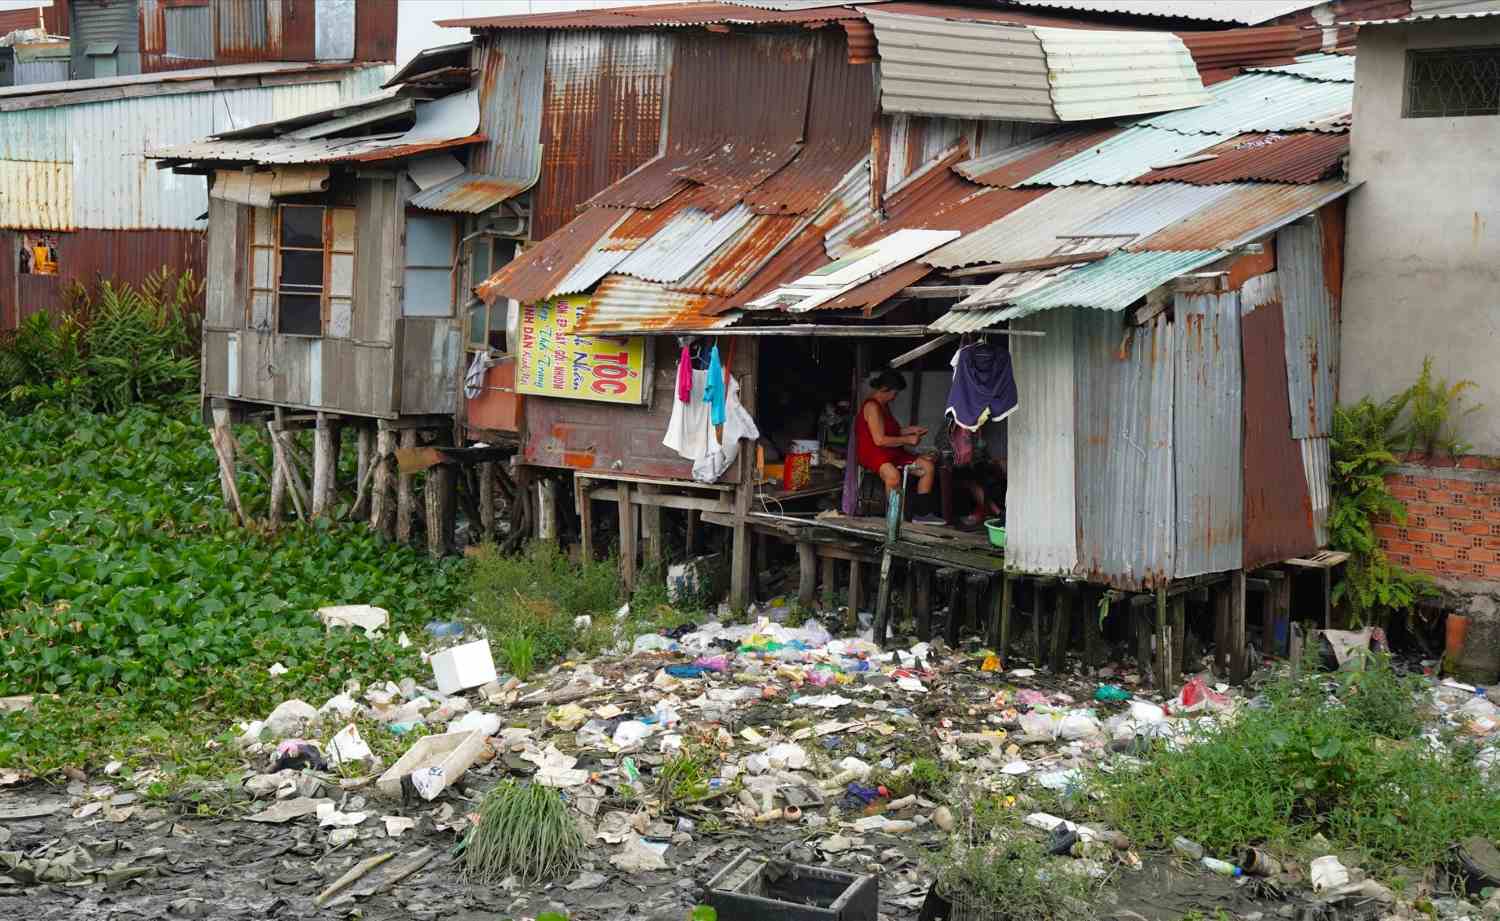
{"x": 713, "y": 388}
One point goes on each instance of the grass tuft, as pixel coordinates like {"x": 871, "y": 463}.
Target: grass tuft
{"x": 523, "y": 830}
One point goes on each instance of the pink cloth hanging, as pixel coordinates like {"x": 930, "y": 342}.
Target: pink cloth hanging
{"x": 684, "y": 376}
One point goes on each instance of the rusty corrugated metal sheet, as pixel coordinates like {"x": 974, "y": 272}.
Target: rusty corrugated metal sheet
{"x": 468, "y": 193}
{"x": 11, "y": 20}
{"x": 375, "y": 30}
{"x": 1013, "y": 166}
{"x": 35, "y": 195}
{"x": 1278, "y": 509}
{"x": 1303, "y": 156}
{"x": 511, "y": 70}
{"x": 836, "y": 137}
{"x": 1125, "y": 451}
{"x": 601, "y": 117}
{"x": 1041, "y": 512}
{"x": 531, "y": 276}
{"x": 622, "y": 304}
{"x": 1216, "y": 52}
{"x": 1207, "y": 434}
{"x": 247, "y": 32}
{"x": 1311, "y": 345}
{"x": 1248, "y": 213}
{"x": 663, "y": 15}
{"x": 88, "y": 256}
{"x": 736, "y": 262}
{"x": 1316, "y": 464}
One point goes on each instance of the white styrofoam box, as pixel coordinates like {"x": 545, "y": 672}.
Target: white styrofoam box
{"x": 451, "y": 753}
{"x": 459, "y": 668}
{"x": 365, "y": 616}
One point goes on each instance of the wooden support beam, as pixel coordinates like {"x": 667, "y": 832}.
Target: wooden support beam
{"x": 1239, "y": 661}
{"x": 365, "y": 453}
{"x": 921, "y": 575}
{"x": 1062, "y": 626}
{"x": 1163, "y": 674}
{"x": 1093, "y": 632}
{"x": 1221, "y": 629}
{"x": 1038, "y": 614}
{"x": 584, "y": 499}
{"x": 955, "y": 605}
{"x": 651, "y": 533}
{"x": 883, "y": 598}
{"x": 627, "y": 536}
{"x": 830, "y": 580}
{"x": 382, "y": 519}
{"x": 325, "y": 466}
{"x": 1179, "y": 636}
{"x": 439, "y": 497}
{"x": 301, "y": 502}
{"x": 932, "y": 292}
{"x": 1007, "y": 607}
{"x": 739, "y": 562}
{"x": 277, "y": 508}
{"x": 694, "y": 522}
{"x": 1283, "y": 607}
{"x": 1027, "y": 265}
{"x": 974, "y": 586}
{"x": 406, "y": 497}
{"x": 807, "y": 575}
{"x": 1142, "y": 623}
{"x": 856, "y": 594}
{"x": 486, "y": 471}
{"x": 931, "y": 345}
{"x": 225, "y": 447}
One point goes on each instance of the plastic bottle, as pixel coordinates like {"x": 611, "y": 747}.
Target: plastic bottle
{"x": 1221, "y": 867}
{"x": 1187, "y": 847}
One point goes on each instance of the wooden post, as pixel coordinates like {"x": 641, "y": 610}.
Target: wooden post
{"x": 277, "y": 509}
{"x": 1007, "y": 605}
{"x": 1142, "y": 641}
{"x": 909, "y": 596}
{"x": 1179, "y": 636}
{"x": 690, "y": 546}
{"x": 856, "y": 594}
{"x": 739, "y": 563}
{"x": 406, "y": 499}
{"x": 1163, "y": 678}
{"x": 1283, "y": 592}
{"x": 585, "y": 497}
{"x": 921, "y": 574}
{"x": 441, "y": 501}
{"x": 1221, "y": 628}
{"x": 548, "y": 526}
{"x": 1038, "y": 609}
{"x": 883, "y": 597}
{"x": 364, "y": 452}
{"x": 807, "y": 574}
{"x": 627, "y": 535}
{"x": 284, "y": 458}
{"x": 1062, "y": 626}
{"x": 651, "y": 536}
{"x": 955, "y": 605}
{"x": 974, "y": 585}
{"x": 1239, "y": 666}
{"x": 325, "y": 466}
{"x": 381, "y": 519}
{"x": 486, "y": 471}
{"x": 1093, "y": 634}
{"x": 830, "y": 582}
{"x": 222, "y": 438}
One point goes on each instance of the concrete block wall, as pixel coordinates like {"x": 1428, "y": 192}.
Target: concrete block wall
{"x": 1452, "y": 529}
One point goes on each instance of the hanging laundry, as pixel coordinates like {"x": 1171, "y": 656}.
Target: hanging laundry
{"x": 984, "y": 386}
{"x": 684, "y": 376}
{"x": 713, "y": 393}
{"x": 689, "y": 431}
{"x": 738, "y": 424}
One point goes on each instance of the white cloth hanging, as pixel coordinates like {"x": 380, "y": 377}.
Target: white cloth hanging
{"x": 738, "y": 424}
{"x": 689, "y": 432}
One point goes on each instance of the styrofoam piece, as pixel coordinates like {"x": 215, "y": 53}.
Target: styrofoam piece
{"x": 367, "y": 617}
{"x": 452, "y": 753}
{"x": 459, "y": 668}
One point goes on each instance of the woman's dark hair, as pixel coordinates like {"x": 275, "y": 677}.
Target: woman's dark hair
{"x": 887, "y": 380}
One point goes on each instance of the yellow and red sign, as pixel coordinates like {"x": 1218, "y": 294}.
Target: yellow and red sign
{"x": 552, "y": 362}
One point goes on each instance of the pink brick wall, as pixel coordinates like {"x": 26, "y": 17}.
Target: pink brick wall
{"x": 1452, "y": 528}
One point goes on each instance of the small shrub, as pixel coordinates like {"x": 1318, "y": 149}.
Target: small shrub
{"x": 525, "y": 830}
{"x": 1435, "y": 408}
{"x": 683, "y": 777}
{"x": 520, "y": 655}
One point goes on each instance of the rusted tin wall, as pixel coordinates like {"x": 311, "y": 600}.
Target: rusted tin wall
{"x": 609, "y": 438}
{"x": 1311, "y": 347}
{"x": 88, "y": 256}
{"x": 1278, "y": 510}
{"x": 375, "y": 30}
{"x": 1125, "y": 487}
{"x": 601, "y": 116}
{"x": 95, "y": 21}
{"x": 56, "y": 17}
{"x": 9, "y": 248}
{"x": 238, "y": 31}
{"x": 431, "y": 362}
{"x": 510, "y": 67}
{"x": 11, "y": 20}
{"x": 1041, "y": 534}
{"x": 1207, "y": 434}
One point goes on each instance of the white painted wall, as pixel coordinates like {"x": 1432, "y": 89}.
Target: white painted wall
{"x": 415, "y": 29}
{"x": 1422, "y": 254}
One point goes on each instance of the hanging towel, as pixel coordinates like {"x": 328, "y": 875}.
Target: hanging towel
{"x": 738, "y": 424}
{"x": 688, "y": 431}
{"x": 984, "y": 386}
{"x": 684, "y": 376}
{"x": 713, "y": 391}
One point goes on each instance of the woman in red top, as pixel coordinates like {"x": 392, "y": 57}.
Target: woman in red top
{"x": 880, "y": 445}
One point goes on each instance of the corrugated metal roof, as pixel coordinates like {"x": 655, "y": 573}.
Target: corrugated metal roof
{"x": 813, "y": 291}
{"x": 686, "y": 240}
{"x": 1333, "y": 68}
{"x": 624, "y": 304}
{"x": 1263, "y": 102}
{"x": 36, "y": 195}
{"x": 1030, "y": 231}
{"x": 1207, "y": 438}
{"x": 1218, "y": 52}
{"x": 1009, "y": 167}
{"x": 662, "y": 15}
{"x": 1131, "y": 153}
{"x": 1427, "y": 7}
{"x": 531, "y": 276}
{"x": 1470, "y": 14}
{"x": 1302, "y": 156}
{"x": 194, "y": 80}
{"x": 966, "y": 69}
{"x": 1315, "y": 463}
{"x": 1152, "y": 208}
{"x": 1113, "y": 283}
{"x": 1245, "y": 214}
{"x": 1311, "y": 347}
{"x": 1247, "y": 12}
{"x": 469, "y": 193}
{"x": 1041, "y": 533}
{"x": 1126, "y": 490}
{"x": 731, "y": 265}
{"x": 511, "y": 69}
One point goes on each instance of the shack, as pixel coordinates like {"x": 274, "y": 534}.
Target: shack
{"x": 1170, "y": 439}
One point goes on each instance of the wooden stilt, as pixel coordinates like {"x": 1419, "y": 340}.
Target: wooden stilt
{"x": 739, "y": 562}
{"x": 651, "y": 533}
{"x": 486, "y": 470}
{"x": 1038, "y": 613}
{"x": 381, "y": 518}
{"x": 284, "y": 458}
{"x": 690, "y": 546}
{"x": 1007, "y": 605}
{"x": 1282, "y": 588}
{"x": 1142, "y": 623}
{"x": 807, "y": 574}
{"x": 325, "y": 467}
{"x": 277, "y": 509}
{"x": 585, "y": 499}
{"x": 627, "y": 535}
{"x": 974, "y": 586}
{"x": 1221, "y": 628}
{"x": 921, "y": 574}
{"x": 406, "y": 498}
{"x": 883, "y": 598}
{"x": 1239, "y": 663}
{"x": 1163, "y": 675}
{"x": 1179, "y": 636}
{"x": 1093, "y": 634}
{"x": 364, "y": 467}
{"x": 439, "y": 499}
{"x": 548, "y": 512}
{"x": 953, "y": 579}
{"x": 225, "y": 446}
{"x": 856, "y": 594}
{"x": 909, "y": 600}
{"x": 1062, "y": 625}
{"x": 830, "y": 582}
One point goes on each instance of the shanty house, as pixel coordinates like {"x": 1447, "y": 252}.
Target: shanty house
{"x": 1160, "y": 249}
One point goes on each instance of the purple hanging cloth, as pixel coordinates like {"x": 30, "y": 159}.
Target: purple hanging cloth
{"x": 984, "y": 386}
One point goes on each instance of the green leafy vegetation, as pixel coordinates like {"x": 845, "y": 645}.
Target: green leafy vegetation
{"x": 523, "y": 829}
{"x": 684, "y": 777}
{"x": 145, "y": 622}
{"x": 114, "y": 347}
{"x": 1435, "y": 407}
{"x": 1336, "y": 756}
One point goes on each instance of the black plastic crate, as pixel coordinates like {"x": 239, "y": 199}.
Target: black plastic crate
{"x": 753, "y": 888}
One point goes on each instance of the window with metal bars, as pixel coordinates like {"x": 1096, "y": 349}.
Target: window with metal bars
{"x": 1452, "y": 82}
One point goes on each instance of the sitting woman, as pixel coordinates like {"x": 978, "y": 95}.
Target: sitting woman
{"x": 880, "y": 444}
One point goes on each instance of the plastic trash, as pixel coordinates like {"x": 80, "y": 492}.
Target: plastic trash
{"x": 1187, "y": 847}
{"x": 653, "y": 642}
{"x": 459, "y": 668}
{"x": 1197, "y": 695}
{"x": 1079, "y": 725}
{"x": 686, "y": 671}
{"x": 1221, "y": 867}
{"x": 348, "y": 747}
{"x": 1111, "y": 693}
{"x": 366, "y": 617}
{"x": 486, "y": 723}
{"x": 442, "y": 628}
{"x": 289, "y": 718}
{"x": 297, "y": 754}
{"x": 1328, "y": 872}
{"x": 631, "y": 732}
